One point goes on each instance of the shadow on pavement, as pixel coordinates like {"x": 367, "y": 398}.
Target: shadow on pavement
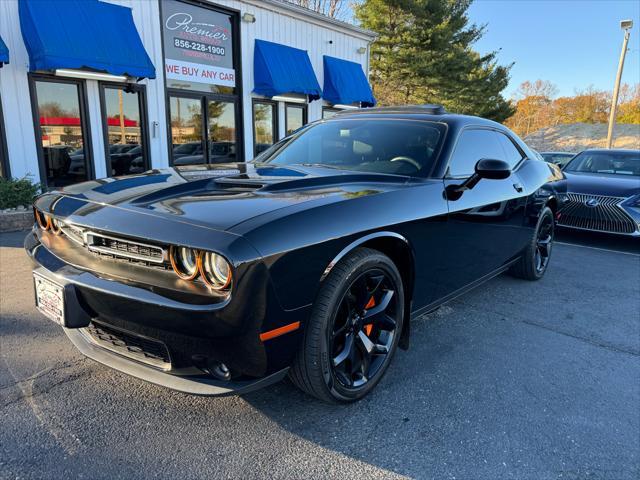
{"x": 620, "y": 243}
{"x": 13, "y": 239}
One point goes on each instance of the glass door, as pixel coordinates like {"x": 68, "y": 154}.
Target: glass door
{"x": 187, "y": 142}
{"x": 203, "y": 129}
{"x": 125, "y": 129}
{"x": 221, "y": 131}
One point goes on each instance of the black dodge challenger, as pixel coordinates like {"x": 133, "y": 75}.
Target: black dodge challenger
{"x": 309, "y": 261}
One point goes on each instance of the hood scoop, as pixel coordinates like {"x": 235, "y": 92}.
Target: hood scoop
{"x": 237, "y": 184}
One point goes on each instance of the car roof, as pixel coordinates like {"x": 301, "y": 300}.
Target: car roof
{"x": 435, "y": 113}
{"x": 557, "y": 153}
{"x": 612, "y": 150}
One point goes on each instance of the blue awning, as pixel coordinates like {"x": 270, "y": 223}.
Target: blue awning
{"x": 83, "y": 34}
{"x": 4, "y": 53}
{"x": 280, "y": 69}
{"x": 345, "y": 83}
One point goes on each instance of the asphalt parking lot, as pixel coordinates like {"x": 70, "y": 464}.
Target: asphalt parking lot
{"x": 514, "y": 380}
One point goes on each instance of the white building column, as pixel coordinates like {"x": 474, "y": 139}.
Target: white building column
{"x": 16, "y": 102}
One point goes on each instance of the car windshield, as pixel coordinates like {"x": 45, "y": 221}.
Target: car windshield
{"x": 558, "y": 158}
{"x": 400, "y": 147}
{"x": 618, "y": 163}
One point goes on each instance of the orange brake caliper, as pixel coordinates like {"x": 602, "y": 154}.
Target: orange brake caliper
{"x": 370, "y": 304}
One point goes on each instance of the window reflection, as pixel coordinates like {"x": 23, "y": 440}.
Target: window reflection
{"x": 222, "y": 132}
{"x": 263, "y": 126}
{"x": 186, "y": 130}
{"x": 124, "y": 132}
{"x": 295, "y": 116}
{"x": 62, "y": 135}
{"x": 328, "y": 112}
{"x": 4, "y": 161}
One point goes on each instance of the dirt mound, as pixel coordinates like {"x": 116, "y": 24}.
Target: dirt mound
{"x": 576, "y": 137}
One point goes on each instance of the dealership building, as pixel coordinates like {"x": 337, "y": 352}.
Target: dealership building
{"x": 97, "y": 88}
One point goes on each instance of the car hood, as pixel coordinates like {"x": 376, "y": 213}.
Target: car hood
{"x": 224, "y": 195}
{"x": 602, "y": 184}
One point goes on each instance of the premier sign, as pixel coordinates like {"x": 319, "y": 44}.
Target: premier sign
{"x": 198, "y": 44}
{"x": 197, "y": 72}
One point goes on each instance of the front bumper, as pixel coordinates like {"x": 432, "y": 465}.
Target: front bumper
{"x": 196, "y": 335}
{"x": 600, "y": 213}
{"x": 192, "y": 384}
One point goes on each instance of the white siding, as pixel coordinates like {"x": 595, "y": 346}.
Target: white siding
{"x": 273, "y": 23}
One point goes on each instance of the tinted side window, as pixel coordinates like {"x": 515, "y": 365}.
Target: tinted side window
{"x": 472, "y": 146}
{"x": 512, "y": 154}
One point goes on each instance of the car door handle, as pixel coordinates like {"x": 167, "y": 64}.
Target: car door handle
{"x": 518, "y": 187}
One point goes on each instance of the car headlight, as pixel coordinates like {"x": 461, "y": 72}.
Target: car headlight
{"x": 55, "y": 226}
{"x": 44, "y": 221}
{"x": 634, "y": 201}
{"x": 184, "y": 261}
{"x": 215, "y": 270}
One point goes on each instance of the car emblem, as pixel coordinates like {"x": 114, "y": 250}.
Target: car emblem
{"x": 592, "y": 202}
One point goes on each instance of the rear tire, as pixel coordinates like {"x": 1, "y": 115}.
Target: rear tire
{"x": 535, "y": 258}
{"x": 354, "y": 329}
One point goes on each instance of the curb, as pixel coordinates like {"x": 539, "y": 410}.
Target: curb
{"x": 15, "y": 221}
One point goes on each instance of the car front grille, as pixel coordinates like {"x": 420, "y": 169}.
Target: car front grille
{"x": 74, "y": 233}
{"x": 596, "y": 212}
{"x": 143, "y": 349}
{"x": 119, "y": 247}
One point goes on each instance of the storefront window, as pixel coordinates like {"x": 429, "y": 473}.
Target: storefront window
{"x": 62, "y": 133}
{"x": 125, "y": 130}
{"x": 295, "y": 117}
{"x": 186, "y": 130}
{"x": 264, "y": 125}
{"x": 4, "y": 157}
{"x": 221, "y": 131}
{"x": 328, "y": 112}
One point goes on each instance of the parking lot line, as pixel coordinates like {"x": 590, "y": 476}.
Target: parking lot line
{"x": 598, "y": 248}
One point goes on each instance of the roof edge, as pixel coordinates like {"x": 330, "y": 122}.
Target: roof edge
{"x": 319, "y": 18}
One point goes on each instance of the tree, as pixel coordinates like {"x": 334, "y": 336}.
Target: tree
{"x": 629, "y": 108}
{"x": 330, "y": 8}
{"x": 537, "y": 108}
{"x": 424, "y": 54}
{"x": 534, "y": 106}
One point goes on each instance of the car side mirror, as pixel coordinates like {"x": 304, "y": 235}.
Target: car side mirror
{"x": 492, "y": 169}
{"x": 487, "y": 168}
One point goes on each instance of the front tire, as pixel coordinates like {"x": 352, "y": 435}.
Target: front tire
{"x": 354, "y": 329}
{"x": 535, "y": 258}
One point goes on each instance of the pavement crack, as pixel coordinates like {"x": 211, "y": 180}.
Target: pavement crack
{"x": 606, "y": 346}
{"x": 42, "y": 373}
{"x": 599, "y": 344}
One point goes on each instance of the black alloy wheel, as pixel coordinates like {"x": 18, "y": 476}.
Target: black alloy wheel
{"x": 364, "y": 328}
{"x": 534, "y": 261}
{"x": 544, "y": 242}
{"x": 354, "y": 329}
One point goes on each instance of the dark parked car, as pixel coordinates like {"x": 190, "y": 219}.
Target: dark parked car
{"x": 557, "y": 158}
{"x": 124, "y": 163}
{"x": 603, "y": 192}
{"x": 121, "y": 147}
{"x": 187, "y": 150}
{"x": 219, "y": 152}
{"x": 310, "y": 261}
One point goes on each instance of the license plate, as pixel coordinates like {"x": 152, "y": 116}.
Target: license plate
{"x": 49, "y": 298}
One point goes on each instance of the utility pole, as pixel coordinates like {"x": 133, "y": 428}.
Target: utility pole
{"x": 626, "y": 26}
{"x": 123, "y": 137}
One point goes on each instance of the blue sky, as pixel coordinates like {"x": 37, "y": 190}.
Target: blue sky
{"x": 572, "y": 43}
